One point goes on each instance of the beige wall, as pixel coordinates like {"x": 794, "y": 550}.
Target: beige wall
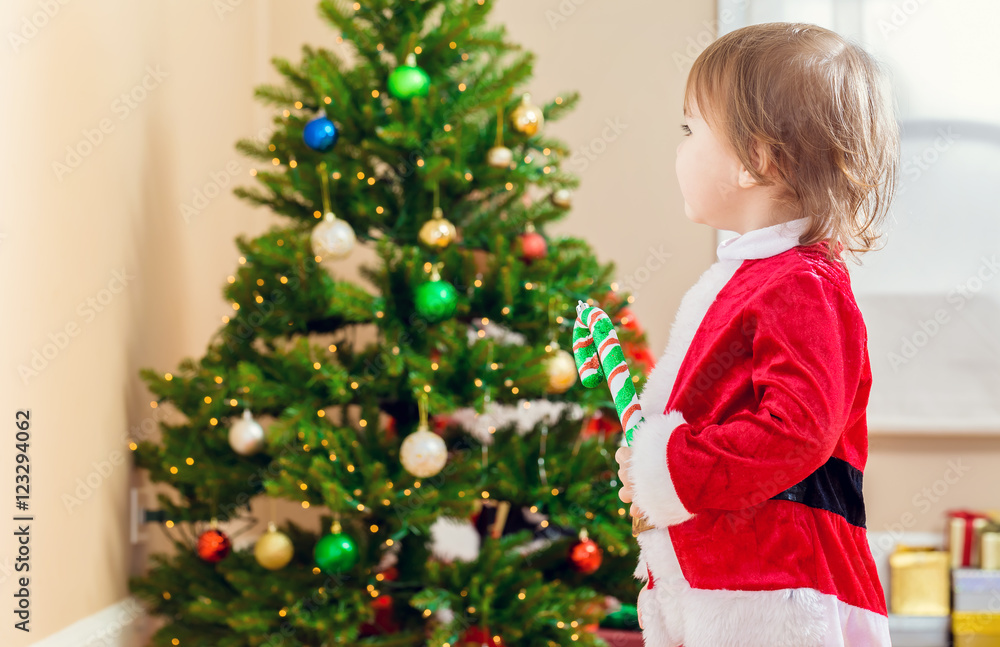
{"x": 62, "y": 240}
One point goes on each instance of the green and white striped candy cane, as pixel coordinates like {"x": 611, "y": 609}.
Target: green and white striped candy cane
{"x": 598, "y": 356}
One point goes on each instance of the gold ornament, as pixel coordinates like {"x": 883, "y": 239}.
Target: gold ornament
{"x": 562, "y": 199}
{"x": 561, "y": 369}
{"x": 527, "y": 118}
{"x": 437, "y": 232}
{"x": 274, "y": 549}
{"x": 499, "y": 157}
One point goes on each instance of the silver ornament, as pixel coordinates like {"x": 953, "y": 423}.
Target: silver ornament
{"x": 246, "y": 436}
{"x": 423, "y": 453}
{"x": 332, "y": 237}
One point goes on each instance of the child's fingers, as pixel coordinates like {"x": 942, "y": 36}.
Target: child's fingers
{"x": 625, "y": 494}
{"x": 640, "y": 619}
{"x": 623, "y": 455}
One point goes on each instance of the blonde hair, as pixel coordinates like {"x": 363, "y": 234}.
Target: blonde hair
{"x": 819, "y": 108}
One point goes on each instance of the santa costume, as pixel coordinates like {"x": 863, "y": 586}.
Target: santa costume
{"x": 749, "y": 460}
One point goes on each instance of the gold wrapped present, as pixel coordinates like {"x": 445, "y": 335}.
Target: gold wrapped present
{"x": 975, "y": 629}
{"x": 919, "y": 583}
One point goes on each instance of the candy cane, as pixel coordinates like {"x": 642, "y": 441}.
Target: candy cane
{"x": 606, "y": 360}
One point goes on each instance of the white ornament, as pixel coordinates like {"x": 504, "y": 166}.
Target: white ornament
{"x": 246, "y": 436}
{"x": 332, "y": 237}
{"x": 423, "y": 453}
{"x": 499, "y": 157}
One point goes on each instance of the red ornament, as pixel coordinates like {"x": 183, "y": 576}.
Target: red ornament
{"x": 585, "y": 556}
{"x": 601, "y": 423}
{"x": 480, "y": 637}
{"x": 385, "y": 621}
{"x": 533, "y": 246}
{"x": 213, "y": 546}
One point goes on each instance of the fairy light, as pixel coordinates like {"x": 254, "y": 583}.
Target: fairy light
{"x": 152, "y": 404}
{"x": 213, "y": 421}
{"x": 208, "y": 399}
{"x": 232, "y": 402}
{"x": 133, "y": 446}
{"x": 320, "y": 413}
{"x": 189, "y": 460}
{"x": 169, "y": 524}
{"x": 305, "y": 504}
{"x": 253, "y": 171}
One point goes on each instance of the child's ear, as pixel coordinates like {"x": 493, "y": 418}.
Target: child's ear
{"x": 761, "y": 161}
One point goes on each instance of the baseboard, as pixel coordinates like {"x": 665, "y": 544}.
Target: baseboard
{"x": 114, "y": 626}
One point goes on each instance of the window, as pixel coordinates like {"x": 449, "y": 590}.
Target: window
{"x": 931, "y": 296}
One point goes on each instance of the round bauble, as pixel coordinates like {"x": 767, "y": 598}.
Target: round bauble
{"x": 437, "y": 232}
{"x": 336, "y": 553}
{"x": 332, "y": 237}
{"x": 423, "y": 453}
{"x": 585, "y": 556}
{"x": 533, "y": 246}
{"x": 499, "y": 157}
{"x": 409, "y": 81}
{"x": 274, "y": 549}
{"x": 436, "y": 300}
{"x": 246, "y": 436}
{"x": 213, "y": 546}
{"x": 320, "y": 134}
{"x": 562, "y": 198}
{"x": 562, "y": 371}
{"x": 527, "y": 118}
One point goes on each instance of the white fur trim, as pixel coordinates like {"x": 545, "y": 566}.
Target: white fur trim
{"x": 652, "y": 485}
{"x": 694, "y": 304}
{"x": 803, "y": 617}
{"x": 659, "y": 626}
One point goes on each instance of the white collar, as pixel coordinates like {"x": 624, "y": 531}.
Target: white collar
{"x": 763, "y": 242}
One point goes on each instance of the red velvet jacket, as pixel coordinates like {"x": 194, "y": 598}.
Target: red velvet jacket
{"x": 750, "y": 461}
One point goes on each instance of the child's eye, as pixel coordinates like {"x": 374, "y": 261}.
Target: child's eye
{"x": 687, "y": 131}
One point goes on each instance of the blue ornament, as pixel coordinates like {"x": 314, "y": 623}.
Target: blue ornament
{"x": 320, "y": 134}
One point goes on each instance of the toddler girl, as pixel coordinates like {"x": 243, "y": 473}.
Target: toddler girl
{"x": 749, "y": 462}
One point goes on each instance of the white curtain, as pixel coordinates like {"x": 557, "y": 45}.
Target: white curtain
{"x": 931, "y": 297}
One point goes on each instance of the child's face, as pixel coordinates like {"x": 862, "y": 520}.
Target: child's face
{"x": 708, "y": 174}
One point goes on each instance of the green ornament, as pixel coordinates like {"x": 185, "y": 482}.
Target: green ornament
{"x": 409, "y": 81}
{"x": 627, "y": 618}
{"x": 436, "y": 300}
{"x": 336, "y": 553}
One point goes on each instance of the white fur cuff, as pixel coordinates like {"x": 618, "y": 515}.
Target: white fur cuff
{"x": 653, "y": 488}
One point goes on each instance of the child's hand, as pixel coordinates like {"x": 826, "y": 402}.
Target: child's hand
{"x": 623, "y": 456}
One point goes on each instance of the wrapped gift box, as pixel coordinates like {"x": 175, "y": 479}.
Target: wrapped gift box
{"x": 920, "y": 631}
{"x": 975, "y": 629}
{"x": 976, "y": 590}
{"x": 919, "y": 582}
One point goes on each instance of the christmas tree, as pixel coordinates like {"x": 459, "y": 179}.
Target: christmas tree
{"x": 442, "y": 389}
